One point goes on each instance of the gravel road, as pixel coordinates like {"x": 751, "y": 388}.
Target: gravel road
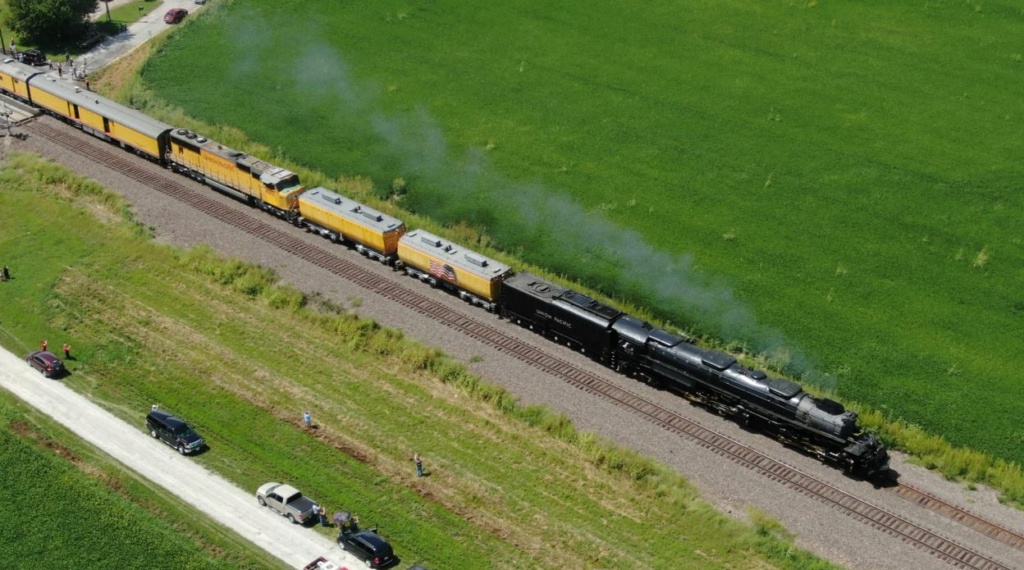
{"x": 197, "y": 486}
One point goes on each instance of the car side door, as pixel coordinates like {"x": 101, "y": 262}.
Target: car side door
{"x": 275, "y": 502}
{"x": 164, "y": 433}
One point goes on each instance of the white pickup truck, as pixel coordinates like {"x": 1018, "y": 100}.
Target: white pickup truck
{"x": 287, "y": 501}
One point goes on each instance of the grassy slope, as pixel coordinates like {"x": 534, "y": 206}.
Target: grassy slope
{"x": 847, "y": 171}
{"x": 202, "y": 337}
{"x": 68, "y": 506}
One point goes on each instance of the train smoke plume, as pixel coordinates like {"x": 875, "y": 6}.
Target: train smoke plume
{"x": 453, "y": 185}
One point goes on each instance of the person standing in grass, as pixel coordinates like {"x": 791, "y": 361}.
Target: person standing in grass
{"x": 307, "y": 418}
{"x": 43, "y": 345}
{"x": 67, "y": 351}
{"x": 419, "y": 464}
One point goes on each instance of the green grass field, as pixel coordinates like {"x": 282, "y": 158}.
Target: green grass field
{"x": 217, "y": 343}
{"x": 833, "y": 184}
{"x": 69, "y": 507}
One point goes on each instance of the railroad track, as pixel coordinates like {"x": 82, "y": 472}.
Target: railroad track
{"x": 859, "y": 509}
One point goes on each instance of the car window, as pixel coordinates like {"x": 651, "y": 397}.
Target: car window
{"x": 183, "y": 431}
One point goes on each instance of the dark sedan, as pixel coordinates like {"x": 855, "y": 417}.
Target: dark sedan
{"x": 175, "y": 15}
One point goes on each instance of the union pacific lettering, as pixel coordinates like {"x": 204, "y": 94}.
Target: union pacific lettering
{"x": 219, "y": 160}
{"x": 562, "y": 322}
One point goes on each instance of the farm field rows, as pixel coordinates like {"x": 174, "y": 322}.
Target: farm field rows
{"x": 831, "y": 184}
{"x": 212, "y": 341}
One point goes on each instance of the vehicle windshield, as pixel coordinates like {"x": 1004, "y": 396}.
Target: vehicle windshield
{"x": 288, "y": 183}
{"x": 184, "y": 431}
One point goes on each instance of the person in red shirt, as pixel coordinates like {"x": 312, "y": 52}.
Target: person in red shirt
{"x": 43, "y": 344}
{"x": 67, "y": 351}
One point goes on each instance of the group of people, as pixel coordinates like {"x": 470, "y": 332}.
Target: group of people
{"x": 66, "y": 348}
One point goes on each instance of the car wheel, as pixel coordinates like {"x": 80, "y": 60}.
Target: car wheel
{"x": 152, "y": 432}
{"x": 261, "y": 501}
{"x": 368, "y": 562}
{"x": 181, "y": 449}
{"x": 291, "y": 518}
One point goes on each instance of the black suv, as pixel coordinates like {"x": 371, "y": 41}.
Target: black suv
{"x": 46, "y": 362}
{"x": 173, "y": 431}
{"x": 369, "y": 547}
{"x": 32, "y": 57}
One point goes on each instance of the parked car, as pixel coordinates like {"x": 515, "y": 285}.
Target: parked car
{"x": 46, "y": 362}
{"x": 175, "y": 15}
{"x": 173, "y": 431}
{"x": 369, "y": 547}
{"x": 31, "y": 57}
{"x": 286, "y": 501}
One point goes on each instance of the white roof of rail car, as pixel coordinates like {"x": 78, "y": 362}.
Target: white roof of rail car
{"x": 350, "y": 209}
{"x": 92, "y": 101}
{"x": 18, "y": 70}
{"x": 267, "y": 172}
{"x": 467, "y": 260}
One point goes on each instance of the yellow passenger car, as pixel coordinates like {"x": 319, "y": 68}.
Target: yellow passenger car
{"x": 14, "y": 77}
{"x": 475, "y": 278}
{"x": 270, "y": 187}
{"x": 99, "y": 116}
{"x": 334, "y": 216}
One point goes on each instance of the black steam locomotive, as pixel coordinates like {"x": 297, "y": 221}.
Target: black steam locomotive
{"x": 713, "y": 379}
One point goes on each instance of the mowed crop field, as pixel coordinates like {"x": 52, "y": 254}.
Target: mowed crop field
{"x": 836, "y": 183}
{"x": 217, "y": 343}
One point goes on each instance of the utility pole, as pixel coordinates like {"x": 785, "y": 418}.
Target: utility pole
{"x": 3, "y": 44}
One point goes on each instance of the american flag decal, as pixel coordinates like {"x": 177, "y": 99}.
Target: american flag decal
{"x": 444, "y": 271}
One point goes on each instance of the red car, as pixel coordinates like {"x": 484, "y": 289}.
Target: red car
{"x": 45, "y": 362}
{"x": 175, "y": 15}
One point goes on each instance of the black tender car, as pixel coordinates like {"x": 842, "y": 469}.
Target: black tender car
{"x": 369, "y": 547}
{"x": 564, "y": 315}
{"x": 173, "y": 431}
{"x": 46, "y": 362}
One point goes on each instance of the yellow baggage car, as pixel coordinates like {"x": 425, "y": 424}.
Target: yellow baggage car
{"x": 94, "y": 113}
{"x": 476, "y": 279}
{"x": 269, "y": 187}
{"x": 14, "y": 78}
{"x": 338, "y": 218}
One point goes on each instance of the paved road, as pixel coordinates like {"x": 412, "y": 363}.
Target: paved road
{"x": 137, "y": 34}
{"x": 221, "y": 500}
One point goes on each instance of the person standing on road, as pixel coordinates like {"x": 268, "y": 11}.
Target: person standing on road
{"x": 419, "y": 464}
